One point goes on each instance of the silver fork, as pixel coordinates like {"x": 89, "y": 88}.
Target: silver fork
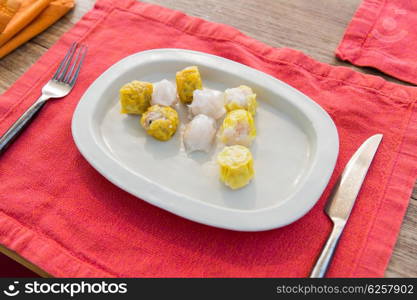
{"x": 59, "y": 86}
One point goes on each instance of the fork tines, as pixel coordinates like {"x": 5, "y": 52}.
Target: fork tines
{"x": 69, "y": 67}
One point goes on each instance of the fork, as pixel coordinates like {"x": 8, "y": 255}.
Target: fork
{"x": 59, "y": 86}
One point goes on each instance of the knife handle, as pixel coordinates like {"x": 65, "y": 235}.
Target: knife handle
{"x": 326, "y": 255}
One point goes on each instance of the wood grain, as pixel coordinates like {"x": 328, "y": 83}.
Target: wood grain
{"x": 313, "y": 27}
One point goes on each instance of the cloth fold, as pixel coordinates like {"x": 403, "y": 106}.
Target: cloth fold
{"x": 33, "y": 17}
{"x": 8, "y": 9}
{"x": 59, "y": 213}
{"x": 383, "y": 35}
{"x": 29, "y": 10}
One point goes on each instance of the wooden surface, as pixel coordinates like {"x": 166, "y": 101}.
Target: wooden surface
{"x": 27, "y": 264}
{"x": 314, "y": 27}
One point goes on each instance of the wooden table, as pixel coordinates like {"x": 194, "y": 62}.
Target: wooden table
{"x": 314, "y": 27}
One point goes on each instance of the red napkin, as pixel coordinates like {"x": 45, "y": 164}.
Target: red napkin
{"x": 383, "y": 35}
{"x": 62, "y": 215}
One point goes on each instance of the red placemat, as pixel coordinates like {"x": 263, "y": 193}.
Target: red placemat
{"x": 62, "y": 215}
{"x": 383, "y": 35}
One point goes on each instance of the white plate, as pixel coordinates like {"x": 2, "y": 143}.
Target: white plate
{"x": 295, "y": 150}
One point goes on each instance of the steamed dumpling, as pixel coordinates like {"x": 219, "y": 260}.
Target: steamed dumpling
{"x": 164, "y": 93}
{"x": 241, "y": 97}
{"x": 238, "y": 128}
{"x": 236, "y": 166}
{"x": 188, "y": 80}
{"x": 208, "y": 102}
{"x": 199, "y": 134}
{"x": 135, "y": 97}
{"x": 160, "y": 122}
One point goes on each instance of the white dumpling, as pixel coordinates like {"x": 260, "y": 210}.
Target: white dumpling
{"x": 238, "y": 95}
{"x": 199, "y": 134}
{"x": 164, "y": 93}
{"x": 208, "y": 102}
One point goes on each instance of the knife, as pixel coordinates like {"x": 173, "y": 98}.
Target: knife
{"x": 342, "y": 198}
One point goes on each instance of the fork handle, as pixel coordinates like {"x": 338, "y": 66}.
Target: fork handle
{"x": 13, "y": 132}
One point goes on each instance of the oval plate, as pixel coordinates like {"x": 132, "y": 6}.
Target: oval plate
{"x": 295, "y": 150}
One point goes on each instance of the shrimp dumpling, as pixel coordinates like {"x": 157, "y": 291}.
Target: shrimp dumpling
{"x": 208, "y": 102}
{"x": 199, "y": 134}
{"x": 164, "y": 93}
{"x": 238, "y": 128}
{"x": 241, "y": 97}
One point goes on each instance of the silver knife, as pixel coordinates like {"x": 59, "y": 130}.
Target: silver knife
{"x": 342, "y": 198}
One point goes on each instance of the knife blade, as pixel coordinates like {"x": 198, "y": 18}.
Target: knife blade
{"x": 343, "y": 196}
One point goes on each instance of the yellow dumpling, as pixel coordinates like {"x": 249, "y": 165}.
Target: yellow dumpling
{"x": 241, "y": 97}
{"x": 161, "y": 122}
{"x": 238, "y": 128}
{"x": 236, "y": 166}
{"x": 135, "y": 97}
{"x": 188, "y": 80}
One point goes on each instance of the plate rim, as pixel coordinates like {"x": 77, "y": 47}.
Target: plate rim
{"x": 196, "y": 210}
